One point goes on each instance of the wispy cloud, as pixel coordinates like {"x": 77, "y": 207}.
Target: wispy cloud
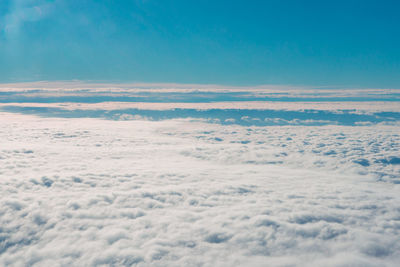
{"x": 24, "y": 11}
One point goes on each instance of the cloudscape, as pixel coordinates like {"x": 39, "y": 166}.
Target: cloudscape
{"x": 179, "y": 133}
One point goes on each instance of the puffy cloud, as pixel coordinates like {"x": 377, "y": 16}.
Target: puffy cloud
{"x": 89, "y": 192}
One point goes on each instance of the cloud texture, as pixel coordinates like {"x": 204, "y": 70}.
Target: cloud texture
{"x": 91, "y": 192}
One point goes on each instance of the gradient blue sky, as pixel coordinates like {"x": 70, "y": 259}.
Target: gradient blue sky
{"x": 316, "y": 43}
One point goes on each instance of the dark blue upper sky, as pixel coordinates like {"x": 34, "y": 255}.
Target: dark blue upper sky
{"x": 327, "y": 43}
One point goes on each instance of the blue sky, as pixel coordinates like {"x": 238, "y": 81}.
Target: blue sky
{"x": 316, "y": 43}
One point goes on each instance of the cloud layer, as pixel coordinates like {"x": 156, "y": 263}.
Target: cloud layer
{"x": 245, "y": 116}
{"x": 90, "y": 192}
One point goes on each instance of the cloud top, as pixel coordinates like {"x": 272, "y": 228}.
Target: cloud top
{"x": 178, "y": 192}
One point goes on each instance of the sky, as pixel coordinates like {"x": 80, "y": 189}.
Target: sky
{"x": 214, "y": 133}
{"x": 313, "y": 43}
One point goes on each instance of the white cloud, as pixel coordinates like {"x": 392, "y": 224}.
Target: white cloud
{"x": 88, "y": 192}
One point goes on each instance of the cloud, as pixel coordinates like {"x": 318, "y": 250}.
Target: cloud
{"x": 73, "y": 95}
{"x": 90, "y": 192}
{"x": 25, "y": 11}
{"x": 246, "y": 117}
